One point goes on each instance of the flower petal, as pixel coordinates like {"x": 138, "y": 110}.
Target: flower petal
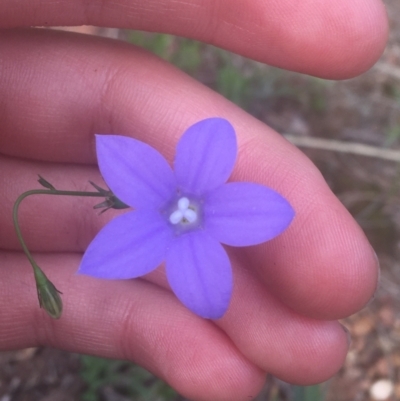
{"x": 205, "y": 155}
{"x": 134, "y": 171}
{"x": 242, "y": 214}
{"x": 129, "y": 246}
{"x": 200, "y": 274}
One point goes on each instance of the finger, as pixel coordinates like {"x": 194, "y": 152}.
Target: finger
{"x": 97, "y": 320}
{"x": 330, "y": 39}
{"x": 131, "y": 320}
{"x": 321, "y": 266}
{"x": 292, "y": 347}
{"x": 275, "y": 338}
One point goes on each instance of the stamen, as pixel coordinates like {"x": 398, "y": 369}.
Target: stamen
{"x": 176, "y": 217}
{"x": 190, "y": 215}
{"x": 184, "y": 214}
{"x": 183, "y": 203}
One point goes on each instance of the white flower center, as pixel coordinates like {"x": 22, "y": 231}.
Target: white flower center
{"x": 185, "y": 213}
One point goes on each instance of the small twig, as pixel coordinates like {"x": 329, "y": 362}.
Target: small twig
{"x": 344, "y": 147}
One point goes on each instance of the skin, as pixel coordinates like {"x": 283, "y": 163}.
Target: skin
{"x": 57, "y": 89}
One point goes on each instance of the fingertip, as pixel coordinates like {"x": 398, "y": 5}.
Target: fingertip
{"x": 337, "y": 278}
{"x": 348, "y": 272}
{"x": 224, "y": 379}
{"x": 358, "y": 37}
{"x": 332, "y": 40}
{"x": 294, "y": 348}
{"x": 322, "y": 265}
{"x": 319, "y": 355}
{"x": 341, "y": 40}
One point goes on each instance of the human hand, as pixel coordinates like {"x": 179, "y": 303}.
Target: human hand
{"x": 58, "y": 89}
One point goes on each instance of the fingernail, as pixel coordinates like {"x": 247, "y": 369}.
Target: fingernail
{"x": 348, "y": 334}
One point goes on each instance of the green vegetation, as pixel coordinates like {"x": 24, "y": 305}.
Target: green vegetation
{"x": 122, "y": 378}
{"x": 307, "y": 393}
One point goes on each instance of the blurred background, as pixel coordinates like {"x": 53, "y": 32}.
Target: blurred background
{"x": 351, "y": 131}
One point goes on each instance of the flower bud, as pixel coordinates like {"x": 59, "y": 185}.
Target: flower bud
{"x": 49, "y": 298}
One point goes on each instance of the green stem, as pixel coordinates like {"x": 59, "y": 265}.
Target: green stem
{"x": 47, "y": 292}
{"x": 43, "y": 192}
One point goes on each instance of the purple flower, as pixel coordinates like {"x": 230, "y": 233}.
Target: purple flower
{"x": 182, "y": 216}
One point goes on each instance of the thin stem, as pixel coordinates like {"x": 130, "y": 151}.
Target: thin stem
{"x": 48, "y": 294}
{"x": 43, "y": 192}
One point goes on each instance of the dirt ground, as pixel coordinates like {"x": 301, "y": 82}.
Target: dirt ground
{"x": 364, "y": 110}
